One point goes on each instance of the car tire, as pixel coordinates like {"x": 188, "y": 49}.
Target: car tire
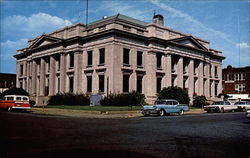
{"x": 162, "y": 112}
{"x": 222, "y": 110}
{"x": 233, "y": 110}
{"x": 9, "y": 108}
{"x": 181, "y": 112}
{"x": 244, "y": 109}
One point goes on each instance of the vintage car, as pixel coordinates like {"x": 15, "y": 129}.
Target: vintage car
{"x": 10, "y": 102}
{"x": 164, "y": 107}
{"x": 243, "y": 105}
{"x": 248, "y": 114}
{"x": 220, "y": 106}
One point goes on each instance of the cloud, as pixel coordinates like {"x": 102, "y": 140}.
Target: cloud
{"x": 243, "y": 45}
{"x": 32, "y": 26}
{"x": 17, "y": 29}
{"x": 189, "y": 19}
{"x": 123, "y": 7}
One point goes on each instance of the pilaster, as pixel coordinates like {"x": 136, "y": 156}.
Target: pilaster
{"x": 52, "y": 76}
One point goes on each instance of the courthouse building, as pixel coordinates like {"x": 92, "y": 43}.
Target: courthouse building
{"x": 119, "y": 54}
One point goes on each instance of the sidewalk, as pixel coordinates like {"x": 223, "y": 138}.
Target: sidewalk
{"x": 98, "y": 114}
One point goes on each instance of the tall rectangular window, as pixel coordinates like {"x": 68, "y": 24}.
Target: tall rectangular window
{"x": 58, "y": 84}
{"x": 102, "y": 56}
{"x": 126, "y": 56}
{"x": 125, "y": 83}
{"x": 21, "y": 69}
{"x": 158, "y": 60}
{"x": 89, "y": 83}
{"x": 139, "y": 58}
{"x": 71, "y": 84}
{"x": 47, "y": 87}
{"x": 90, "y": 57}
{"x": 71, "y": 58}
{"x": 139, "y": 84}
{"x": 158, "y": 84}
{"x": 58, "y": 62}
{"x": 101, "y": 83}
{"x": 216, "y": 72}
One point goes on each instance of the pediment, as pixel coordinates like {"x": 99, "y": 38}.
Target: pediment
{"x": 44, "y": 40}
{"x": 190, "y": 42}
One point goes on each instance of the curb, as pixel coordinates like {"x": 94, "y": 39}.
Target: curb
{"x": 98, "y": 114}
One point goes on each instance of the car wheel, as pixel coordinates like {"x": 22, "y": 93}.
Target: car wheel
{"x": 233, "y": 110}
{"x": 9, "y": 108}
{"x": 244, "y": 109}
{"x": 162, "y": 112}
{"x": 181, "y": 112}
{"x": 222, "y": 110}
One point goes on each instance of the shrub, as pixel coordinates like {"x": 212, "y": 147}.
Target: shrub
{"x": 69, "y": 99}
{"x": 14, "y": 91}
{"x": 32, "y": 103}
{"x": 176, "y": 93}
{"x": 130, "y": 99}
{"x": 199, "y": 101}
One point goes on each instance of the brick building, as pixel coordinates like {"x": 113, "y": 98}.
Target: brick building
{"x": 7, "y": 81}
{"x": 118, "y": 54}
{"x": 236, "y": 80}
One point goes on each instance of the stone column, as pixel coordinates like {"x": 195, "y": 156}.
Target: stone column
{"x": 42, "y": 78}
{"x": 191, "y": 78}
{"x": 150, "y": 77}
{"x": 34, "y": 77}
{"x": 52, "y": 76}
{"x": 200, "y": 78}
{"x": 180, "y": 72}
{"x": 167, "y": 69}
{"x": 78, "y": 72}
{"x": 219, "y": 70}
{"x": 17, "y": 74}
{"x": 62, "y": 72}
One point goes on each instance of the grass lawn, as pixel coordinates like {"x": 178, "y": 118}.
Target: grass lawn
{"x": 96, "y": 108}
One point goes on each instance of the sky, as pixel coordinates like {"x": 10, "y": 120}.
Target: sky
{"x": 224, "y": 23}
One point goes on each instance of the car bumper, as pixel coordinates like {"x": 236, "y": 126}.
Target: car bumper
{"x": 20, "y": 107}
{"x": 212, "y": 109}
{"x": 150, "y": 111}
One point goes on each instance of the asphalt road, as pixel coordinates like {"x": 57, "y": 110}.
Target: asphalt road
{"x": 26, "y": 135}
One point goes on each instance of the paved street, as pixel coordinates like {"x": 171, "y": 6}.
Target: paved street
{"x": 213, "y": 135}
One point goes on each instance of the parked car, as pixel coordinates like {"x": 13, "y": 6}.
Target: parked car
{"x": 243, "y": 105}
{"x": 163, "y": 107}
{"x": 10, "y": 102}
{"x": 221, "y": 106}
{"x": 248, "y": 114}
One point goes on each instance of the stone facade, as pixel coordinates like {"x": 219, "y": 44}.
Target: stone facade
{"x": 119, "y": 54}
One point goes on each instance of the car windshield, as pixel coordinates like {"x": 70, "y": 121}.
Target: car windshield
{"x": 160, "y": 102}
{"x": 218, "y": 103}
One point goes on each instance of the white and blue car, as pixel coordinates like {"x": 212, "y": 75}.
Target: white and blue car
{"x": 164, "y": 107}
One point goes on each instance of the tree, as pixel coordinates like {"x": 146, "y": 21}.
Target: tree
{"x": 176, "y": 93}
{"x": 199, "y": 101}
{"x": 14, "y": 91}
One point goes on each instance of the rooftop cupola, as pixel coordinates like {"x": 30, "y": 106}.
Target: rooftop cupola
{"x": 158, "y": 19}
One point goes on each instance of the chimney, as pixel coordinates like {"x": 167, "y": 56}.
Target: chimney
{"x": 158, "y": 19}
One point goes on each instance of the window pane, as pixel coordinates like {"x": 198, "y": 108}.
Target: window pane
{"x": 89, "y": 58}
{"x": 139, "y": 84}
{"x": 139, "y": 58}
{"x": 102, "y": 56}
{"x": 126, "y": 56}
{"x": 101, "y": 83}
{"x": 125, "y": 83}
{"x": 89, "y": 83}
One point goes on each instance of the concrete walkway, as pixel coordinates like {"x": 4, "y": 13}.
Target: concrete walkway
{"x": 98, "y": 114}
